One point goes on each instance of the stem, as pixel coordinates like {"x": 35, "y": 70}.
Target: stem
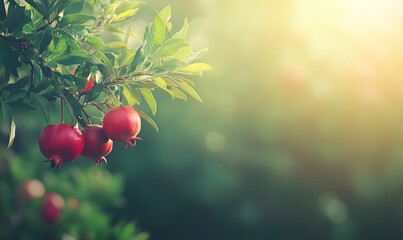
{"x": 86, "y": 115}
{"x": 129, "y": 79}
{"x": 98, "y": 107}
{"x": 62, "y": 108}
{"x": 32, "y": 82}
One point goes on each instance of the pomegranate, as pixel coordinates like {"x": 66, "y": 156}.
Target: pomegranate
{"x": 31, "y": 189}
{"x": 122, "y": 125}
{"x": 51, "y": 207}
{"x": 60, "y": 143}
{"x": 97, "y": 144}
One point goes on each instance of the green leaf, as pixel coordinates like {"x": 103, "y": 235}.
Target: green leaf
{"x": 19, "y": 105}
{"x": 15, "y": 18}
{"x": 76, "y": 57}
{"x": 97, "y": 42}
{"x": 127, "y": 232}
{"x": 107, "y": 63}
{"x": 128, "y": 58}
{"x": 124, "y": 15}
{"x": 116, "y": 45}
{"x": 47, "y": 72}
{"x": 128, "y": 33}
{"x": 17, "y": 95}
{"x": 182, "y": 33}
{"x": 42, "y": 86}
{"x": 60, "y": 46}
{"x": 40, "y": 8}
{"x": 165, "y": 14}
{"x": 196, "y": 55}
{"x": 148, "y": 119}
{"x": 149, "y": 97}
{"x": 2, "y": 11}
{"x": 19, "y": 84}
{"x": 59, "y": 5}
{"x": 171, "y": 47}
{"x": 75, "y": 108}
{"x": 7, "y": 57}
{"x": 137, "y": 59}
{"x": 124, "y": 6}
{"x": 38, "y": 76}
{"x": 12, "y": 133}
{"x": 46, "y": 39}
{"x": 113, "y": 28}
{"x": 83, "y": 70}
{"x": 178, "y": 94}
{"x": 74, "y": 8}
{"x": 160, "y": 82}
{"x": 94, "y": 93}
{"x": 158, "y": 30}
{"x": 75, "y": 18}
{"x": 45, "y": 106}
{"x": 130, "y": 95}
{"x": 196, "y": 67}
{"x": 188, "y": 89}
{"x": 80, "y": 82}
{"x": 5, "y": 112}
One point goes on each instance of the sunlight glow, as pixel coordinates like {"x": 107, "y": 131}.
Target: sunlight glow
{"x": 356, "y": 44}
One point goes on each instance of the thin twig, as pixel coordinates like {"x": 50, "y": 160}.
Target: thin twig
{"x": 62, "y": 108}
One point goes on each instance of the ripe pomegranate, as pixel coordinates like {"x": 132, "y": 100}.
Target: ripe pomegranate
{"x": 60, "y": 143}
{"x": 97, "y": 144}
{"x": 51, "y": 207}
{"x": 122, "y": 125}
{"x": 31, "y": 189}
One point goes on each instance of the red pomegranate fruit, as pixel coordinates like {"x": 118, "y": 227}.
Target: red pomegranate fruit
{"x": 122, "y": 125}
{"x": 97, "y": 144}
{"x": 61, "y": 143}
{"x": 51, "y": 208}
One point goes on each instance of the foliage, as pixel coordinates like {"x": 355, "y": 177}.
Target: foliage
{"x": 89, "y": 199}
{"x": 48, "y": 50}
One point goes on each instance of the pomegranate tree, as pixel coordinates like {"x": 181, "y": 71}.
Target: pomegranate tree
{"x": 94, "y": 67}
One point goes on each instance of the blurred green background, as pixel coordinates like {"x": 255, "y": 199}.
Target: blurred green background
{"x": 299, "y": 135}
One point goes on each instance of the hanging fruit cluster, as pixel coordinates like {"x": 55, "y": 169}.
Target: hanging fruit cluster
{"x": 61, "y": 143}
{"x": 85, "y": 55}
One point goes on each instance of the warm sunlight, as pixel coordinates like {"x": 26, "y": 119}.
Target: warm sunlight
{"x": 355, "y": 45}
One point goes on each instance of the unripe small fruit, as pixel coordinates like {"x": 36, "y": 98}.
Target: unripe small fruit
{"x": 31, "y": 189}
{"x": 60, "y": 143}
{"x": 97, "y": 144}
{"x": 122, "y": 125}
{"x": 88, "y": 86}
{"x": 51, "y": 208}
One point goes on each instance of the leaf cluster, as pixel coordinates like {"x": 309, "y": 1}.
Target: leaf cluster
{"x": 49, "y": 48}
